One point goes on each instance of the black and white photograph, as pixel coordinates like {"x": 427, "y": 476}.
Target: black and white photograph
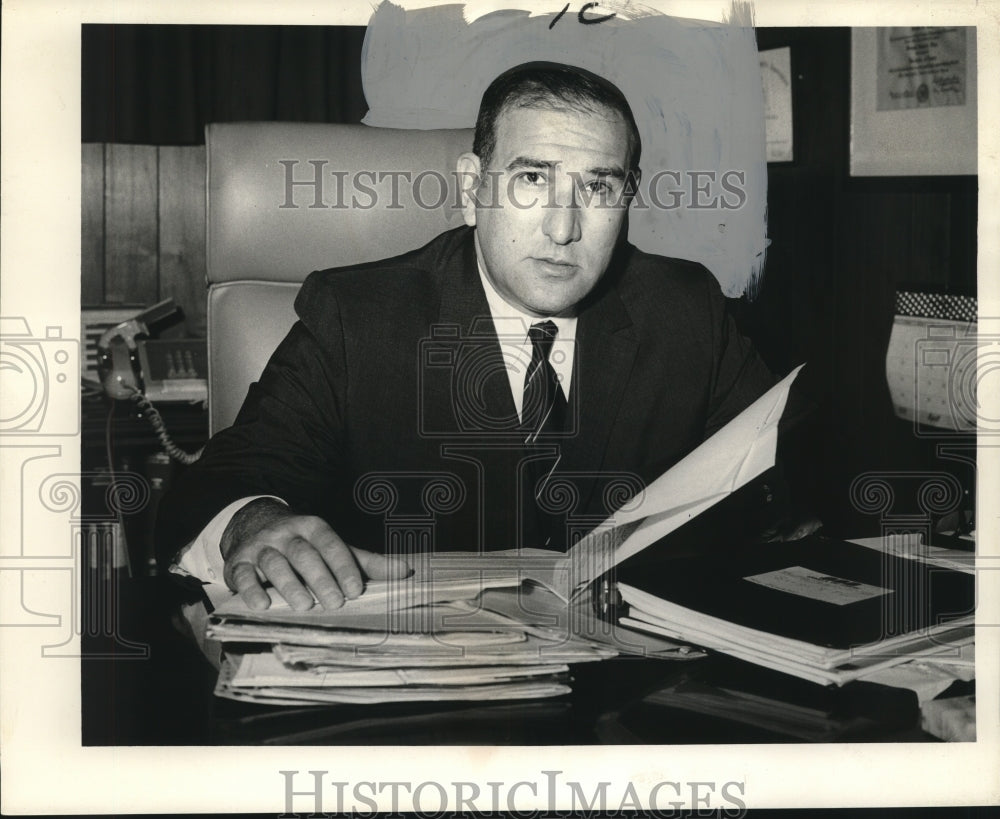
{"x": 493, "y": 407}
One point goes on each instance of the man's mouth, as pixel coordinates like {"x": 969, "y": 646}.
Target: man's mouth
{"x": 555, "y": 265}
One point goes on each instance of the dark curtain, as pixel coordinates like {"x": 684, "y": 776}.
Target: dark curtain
{"x": 159, "y": 85}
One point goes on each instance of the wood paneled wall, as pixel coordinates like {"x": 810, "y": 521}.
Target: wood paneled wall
{"x": 144, "y": 227}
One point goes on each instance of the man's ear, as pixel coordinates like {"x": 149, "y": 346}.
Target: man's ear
{"x": 468, "y": 170}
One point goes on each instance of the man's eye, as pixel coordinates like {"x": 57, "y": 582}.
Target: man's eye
{"x": 599, "y": 186}
{"x": 532, "y": 177}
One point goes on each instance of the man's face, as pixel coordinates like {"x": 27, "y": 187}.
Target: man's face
{"x": 550, "y": 207}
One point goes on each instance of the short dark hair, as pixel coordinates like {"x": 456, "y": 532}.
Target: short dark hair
{"x": 547, "y": 85}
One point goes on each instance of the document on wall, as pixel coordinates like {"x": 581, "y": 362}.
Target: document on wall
{"x": 921, "y": 67}
{"x": 776, "y": 77}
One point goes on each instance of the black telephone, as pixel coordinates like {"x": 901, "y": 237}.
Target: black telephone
{"x": 132, "y": 366}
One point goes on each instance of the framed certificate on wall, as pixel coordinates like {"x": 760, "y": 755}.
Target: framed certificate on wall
{"x": 776, "y": 76}
{"x": 913, "y": 101}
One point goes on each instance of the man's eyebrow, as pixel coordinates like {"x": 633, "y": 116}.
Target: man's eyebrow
{"x": 613, "y": 171}
{"x": 521, "y": 162}
{"x": 529, "y": 162}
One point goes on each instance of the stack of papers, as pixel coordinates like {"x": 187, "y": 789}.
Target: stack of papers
{"x": 823, "y": 610}
{"x": 373, "y": 650}
{"x": 262, "y": 678}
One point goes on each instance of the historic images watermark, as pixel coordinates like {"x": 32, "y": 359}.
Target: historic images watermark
{"x": 40, "y": 372}
{"x": 311, "y": 184}
{"x": 956, "y": 382}
{"x": 319, "y": 793}
{"x": 40, "y": 401}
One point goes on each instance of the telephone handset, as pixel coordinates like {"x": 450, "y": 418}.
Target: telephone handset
{"x": 118, "y": 350}
{"x": 117, "y": 359}
{"x": 133, "y": 366}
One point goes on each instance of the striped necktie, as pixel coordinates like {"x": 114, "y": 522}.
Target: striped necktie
{"x": 543, "y": 414}
{"x": 543, "y": 408}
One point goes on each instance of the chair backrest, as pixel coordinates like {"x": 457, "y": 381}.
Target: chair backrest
{"x": 285, "y": 199}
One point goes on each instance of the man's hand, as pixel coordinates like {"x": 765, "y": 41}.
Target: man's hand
{"x": 297, "y": 554}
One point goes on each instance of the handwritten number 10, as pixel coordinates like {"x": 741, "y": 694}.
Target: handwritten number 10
{"x": 582, "y": 16}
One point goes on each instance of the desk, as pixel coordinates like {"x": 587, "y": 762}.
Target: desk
{"x": 168, "y": 700}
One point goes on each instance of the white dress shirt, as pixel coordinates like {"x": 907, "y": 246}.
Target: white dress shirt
{"x": 512, "y": 327}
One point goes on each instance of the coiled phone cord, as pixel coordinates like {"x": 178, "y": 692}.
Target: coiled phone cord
{"x": 154, "y": 418}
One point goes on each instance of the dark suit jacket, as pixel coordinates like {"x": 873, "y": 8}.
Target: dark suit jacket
{"x": 387, "y": 408}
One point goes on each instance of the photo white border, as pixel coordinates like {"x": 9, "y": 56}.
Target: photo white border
{"x": 44, "y": 768}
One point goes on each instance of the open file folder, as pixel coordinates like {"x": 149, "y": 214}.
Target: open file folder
{"x": 560, "y": 631}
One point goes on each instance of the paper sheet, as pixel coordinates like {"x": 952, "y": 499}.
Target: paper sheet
{"x": 529, "y": 688}
{"x": 911, "y": 545}
{"x": 438, "y": 654}
{"x": 952, "y": 719}
{"x": 554, "y": 619}
{"x": 839, "y": 591}
{"x": 264, "y": 670}
{"x": 437, "y": 578}
{"x": 926, "y": 681}
{"x": 739, "y": 452}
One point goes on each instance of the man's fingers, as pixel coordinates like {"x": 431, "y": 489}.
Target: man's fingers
{"x": 381, "y": 567}
{"x": 312, "y": 568}
{"x": 276, "y": 569}
{"x": 247, "y": 585}
{"x": 302, "y": 556}
{"x": 341, "y": 561}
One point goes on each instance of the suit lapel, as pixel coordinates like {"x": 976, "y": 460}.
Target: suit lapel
{"x": 480, "y": 393}
{"x": 473, "y": 394}
{"x": 606, "y": 347}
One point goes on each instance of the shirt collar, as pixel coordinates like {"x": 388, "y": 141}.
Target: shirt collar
{"x": 506, "y": 316}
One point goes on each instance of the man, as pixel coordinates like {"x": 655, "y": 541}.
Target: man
{"x": 503, "y": 382}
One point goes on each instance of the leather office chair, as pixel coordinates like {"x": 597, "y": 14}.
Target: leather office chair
{"x": 264, "y": 236}
{"x": 285, "y": 199}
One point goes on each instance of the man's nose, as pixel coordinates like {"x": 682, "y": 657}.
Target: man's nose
{"x": 561, "y": 222}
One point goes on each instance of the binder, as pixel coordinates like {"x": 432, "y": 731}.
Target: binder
{"x": 820, "y": 608}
